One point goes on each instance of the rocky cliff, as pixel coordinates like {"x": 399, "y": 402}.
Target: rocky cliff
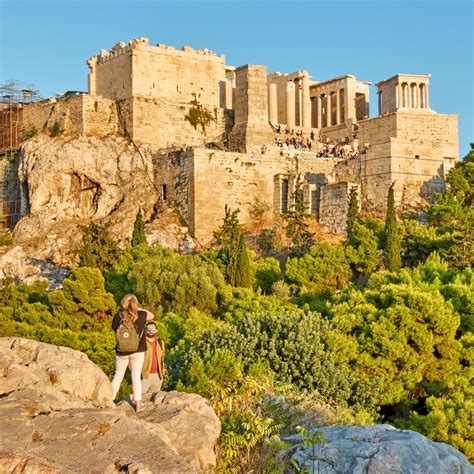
{"x": 56, "y": 415}
{"x": 69, "y": 182}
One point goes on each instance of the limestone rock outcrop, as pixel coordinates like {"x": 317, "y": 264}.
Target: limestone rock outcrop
{"x": 73, "y": 181}
{"x": 375, "y": 450}
{"x": 56, "y": 415}
{"x": 67, "y": 182}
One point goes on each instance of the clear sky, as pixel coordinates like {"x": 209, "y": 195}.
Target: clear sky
{"x": 47, "y": 43}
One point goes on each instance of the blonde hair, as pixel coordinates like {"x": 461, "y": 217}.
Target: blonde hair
{"x": 130, "y": 305}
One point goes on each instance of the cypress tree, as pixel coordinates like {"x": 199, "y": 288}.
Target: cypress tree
{"x": 297, "y": 229}
{"x": 392, "y": 258}
{"x": 353, "y": 211}
{"x": 138, "y": 236}
{"x": 244, "y": 276}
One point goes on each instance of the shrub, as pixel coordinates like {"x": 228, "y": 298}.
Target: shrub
{"x": 267, "y": 272}
{"x": 166, "y": 282}
{"x": 98, "y": 249}
{"x": 324, "y": 267}
{"x": 56, "y": 129}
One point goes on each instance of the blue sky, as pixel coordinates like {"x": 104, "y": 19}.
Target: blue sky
{"x": 47, "y": 43}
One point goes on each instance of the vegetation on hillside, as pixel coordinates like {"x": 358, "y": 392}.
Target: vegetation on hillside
{"x": 378, "y": 328}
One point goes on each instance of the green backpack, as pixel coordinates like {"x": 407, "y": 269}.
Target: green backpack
{"x": 127, "y": 337}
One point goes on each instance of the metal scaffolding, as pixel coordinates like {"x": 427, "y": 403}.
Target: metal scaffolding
{"x": 14, "y": 95}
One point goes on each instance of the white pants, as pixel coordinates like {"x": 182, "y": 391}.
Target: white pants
{"x": 152, "y": 383}
{"x": 135, "y": 362}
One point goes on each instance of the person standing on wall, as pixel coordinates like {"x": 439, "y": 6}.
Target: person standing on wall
{"x": 129, "y": 326}
{"x": 153, "y": 370}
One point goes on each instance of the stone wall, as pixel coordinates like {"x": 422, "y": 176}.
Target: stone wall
{"x": 334, "y": 205}
{"x": 251, "y": 128}
{"x": 413, "y": 148}
{"x": 160, "y": 84}
{"x": 80, "y": 114}
{"x": 237, "y": 179}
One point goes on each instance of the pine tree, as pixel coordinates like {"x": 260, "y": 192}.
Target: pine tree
{"x": 244, "y": 276}
{"x": 392, "y": 258}
{"x": 297, "y": 228}
{"x": 353, "y": 211}
{"x": 98, "y": 249}
{"x": 138, "y": 236}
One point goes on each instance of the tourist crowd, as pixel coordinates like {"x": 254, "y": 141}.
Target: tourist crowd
{"x": 287, "y": 139}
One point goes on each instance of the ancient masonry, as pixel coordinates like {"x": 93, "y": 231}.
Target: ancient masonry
{"x": 264, "y": 130}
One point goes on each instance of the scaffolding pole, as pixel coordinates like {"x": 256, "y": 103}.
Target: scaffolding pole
{"x": 14, "y": 95}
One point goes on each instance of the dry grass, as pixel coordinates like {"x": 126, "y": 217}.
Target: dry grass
{"x": 104, "y": 428}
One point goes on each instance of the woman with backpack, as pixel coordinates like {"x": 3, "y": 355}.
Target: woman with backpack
{"x": 129, "y": 327}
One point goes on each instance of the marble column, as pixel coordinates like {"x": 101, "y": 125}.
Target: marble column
{"x": 328, "y": 110}
{"x": 290, "y": 103}
{"x": 319, "y": 111}
{"x": 306, "y": 102}
{"x": 379, "y": 100}
{"x": 405, "y": 94}
{"x": 427, "y": 96}
{"x": 418, "y": 95}
{"x": 272, "y": 103}
{"x": 410, "y": 95}
{"x": 338, "y": 107}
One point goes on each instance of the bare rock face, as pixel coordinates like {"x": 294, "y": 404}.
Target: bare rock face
{"x": 69, "y": 182}
{"x": 52, "y": 377}
{"x": 375, "y": 450}
{"x": 56, "y": 415}
{"x": 73, "y": 181}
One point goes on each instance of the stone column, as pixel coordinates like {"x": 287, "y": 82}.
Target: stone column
{"x": 418, "y": 95}
{"x": 338, "y": 107}
{"x": 328, "y": 110}
{"x": 272, "y": 103}
{"x": 319, "y": 112}
{"x": 427, "y": 96}
{"x": 290, "y": 104}
{"x": 229, "y": 88}
{"x": 410, "y": 96}
{"x": 306, "y": 102}
{"x": 398, "y": 96}
{"x": 379, "y": 101}
{"x": 405, "y": 94}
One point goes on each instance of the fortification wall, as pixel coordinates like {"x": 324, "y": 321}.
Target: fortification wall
{"x": 237, "y": 179}
{"x": 113, "y": 75}
{"x": 162, "y": 72}
{"x": 334, "y": 205}
{"x": 159, "y": 122}
{"x": 80, "y": 114}
{"x": 68, "y": 113}
{"x": 159, "y": 85}
{"x": 173, "y": 172}
{"x": 415, "y": 149}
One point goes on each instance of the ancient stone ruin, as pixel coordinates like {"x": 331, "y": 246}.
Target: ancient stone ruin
{"x": 227, "y": 135}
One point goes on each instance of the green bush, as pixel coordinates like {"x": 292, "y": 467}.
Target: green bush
{"x": 324, "y": 267}
{"x": 98, "y": 249}
{"x": 293, "y": 347}
{"x": 404, "y": 332}
{"x": 56, "y": 129}
{"x": 167, "y": 282}
{"x": 267, "y": 272}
